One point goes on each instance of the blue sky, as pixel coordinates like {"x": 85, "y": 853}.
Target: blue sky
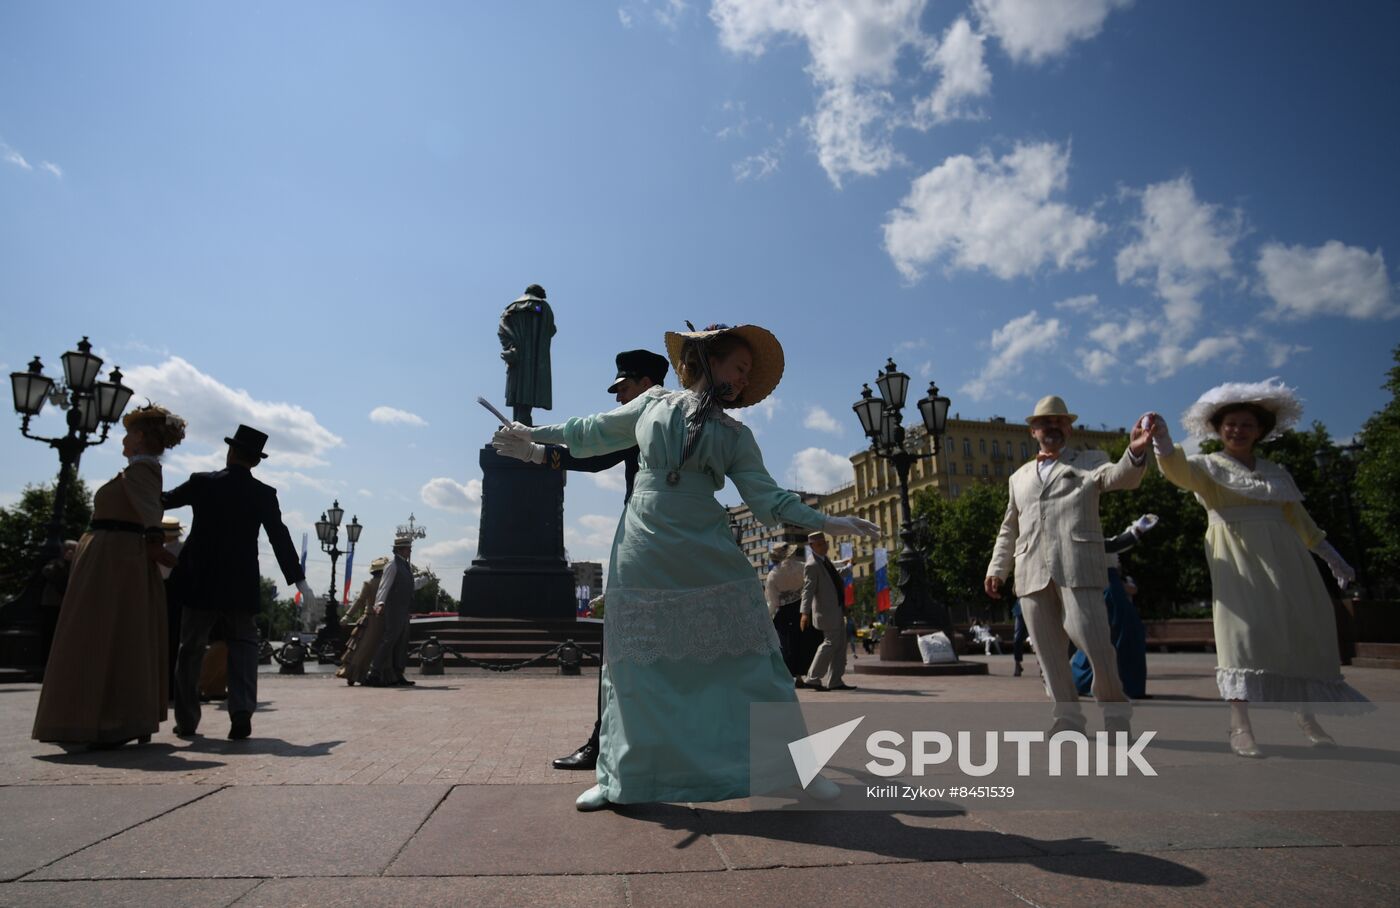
{"x": 308, "y": 217}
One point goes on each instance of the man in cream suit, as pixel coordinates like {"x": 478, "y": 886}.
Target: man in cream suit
{"x": 822, "y": 592}
{"x": 1052, "y": 531}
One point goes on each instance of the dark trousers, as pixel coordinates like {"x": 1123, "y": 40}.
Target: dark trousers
{"x": 242, "y": 630}
{"x": 1019, "y": 638}
{"x": 787, "y": 621}
{"x": 598, "y": 722}
{"x": 391, "y": 658}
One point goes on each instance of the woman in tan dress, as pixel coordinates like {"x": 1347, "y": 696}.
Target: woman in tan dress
{"x": 368, "y": 628}
{"x": 107, "y": 676}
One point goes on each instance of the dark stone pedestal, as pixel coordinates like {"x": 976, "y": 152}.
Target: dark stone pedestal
{"x": 899, "y": 655}
{"x": 519, "y": 570}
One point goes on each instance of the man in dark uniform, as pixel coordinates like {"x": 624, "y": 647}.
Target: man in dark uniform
{"x": 217, "y": 576}
{"x": 637, "y": 370}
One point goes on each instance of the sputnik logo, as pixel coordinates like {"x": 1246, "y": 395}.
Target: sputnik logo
{"x": 811, "y": 754}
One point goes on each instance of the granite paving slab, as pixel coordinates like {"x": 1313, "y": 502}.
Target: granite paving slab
{"x": 1092, "y": 831}
{"x": 125, "y": 894}
{"x": 1358, "y": 827}
{"x": 534, "y": 829}
{"x": 262, "y": 831}
{"x": 750, "y": 839}
{"x": 866, "y": 886}
{"x": 61, "y": 819}
{"x": 440, "y": 892}
{"x": 1237, "y": 877}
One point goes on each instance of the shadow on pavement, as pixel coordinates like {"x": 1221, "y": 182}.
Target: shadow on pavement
{"x": 142, "y": 757}
{"x": 882, "y": 834}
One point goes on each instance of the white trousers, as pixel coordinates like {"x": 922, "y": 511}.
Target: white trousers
{"x": 1055, "y": 617}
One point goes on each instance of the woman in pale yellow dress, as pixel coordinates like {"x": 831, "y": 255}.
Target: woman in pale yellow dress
{"x": 1275, "y": 635}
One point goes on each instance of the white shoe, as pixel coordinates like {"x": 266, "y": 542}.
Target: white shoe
{"x": 1314, "y": 732}
{"x": 592, "y": 799}
{"x": 822, "y": 789}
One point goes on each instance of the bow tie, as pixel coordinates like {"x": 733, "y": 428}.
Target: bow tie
{"x": 1041, "y": 457}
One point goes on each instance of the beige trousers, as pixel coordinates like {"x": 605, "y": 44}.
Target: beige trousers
{"x": 1056, "y": 616}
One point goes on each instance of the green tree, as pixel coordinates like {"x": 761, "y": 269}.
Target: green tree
{"x": 957, "y": 537}
{"x": 275, "y": 616}
{"x": 431, "y": 597}
{"x": 1377, "y": 479}
{"x": 24, "y": 527}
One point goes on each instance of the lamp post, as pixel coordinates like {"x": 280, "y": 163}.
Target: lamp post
{"x": 1344, "y": 467}
{"x": 882, "y": 420}
{"x": 91, "y": 404}
{"x": 328, "y": 532}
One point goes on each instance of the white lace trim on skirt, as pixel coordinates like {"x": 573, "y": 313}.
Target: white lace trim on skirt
{"x": 704, "y": 624}
{"x": 1260, "y": 688}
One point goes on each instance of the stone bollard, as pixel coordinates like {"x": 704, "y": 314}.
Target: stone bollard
{"x": 430, "y": 656}
{"x": 292, "y": 658}
{"x": 570, "y": 657}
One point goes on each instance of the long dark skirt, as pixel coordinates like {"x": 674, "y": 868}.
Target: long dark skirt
{"x": 1129, "y": 640}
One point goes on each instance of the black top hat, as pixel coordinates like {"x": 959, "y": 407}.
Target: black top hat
{"x": 250, "y": 441}
{"x": 640, "y": 364}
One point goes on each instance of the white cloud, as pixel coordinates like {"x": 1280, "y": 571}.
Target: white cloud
{"x": 389, "y": 416}
{"x": 1115, "y": 335}
{"x": 51, "y": 168}
{"x": 819, "y": 470}
{"x": 959, "y": 58}
{"x": 992, "y": 213}
{"x": 1280, "y": 353}
{"x": 214, "y": 410}
{"x": 1023, "y": 338}
{"x": 1331, "y": 279}
{"x": 450, "y": 495}
{"x": 448, "y": 552}
{"x": 612, "y": 480}
{"x": 759, "y": 166}
{"x": 765, "y": 410}
{"x": 364, "y": 492}
{"x": 624, "y": 17}
{"x": 1033, "y": 31}
{"x": 1183, "y": 246}
{"x": 1094, "y": 365}
{"x": 1209, "y": 349}
{"x": 1086, "y": 303}
{"x": 10, "y": 156}
{"x": 854, "y": 47}
{"x": 817, "y": 418}
{"x": 591, "y": 535}
{"x": 668, "y": 13}
{"x": 1167, "y": 359}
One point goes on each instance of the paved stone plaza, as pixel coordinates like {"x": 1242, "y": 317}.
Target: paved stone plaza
{"x": 443, "y": 795}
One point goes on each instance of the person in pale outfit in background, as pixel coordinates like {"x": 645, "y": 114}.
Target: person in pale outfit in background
{"x": 1275, "y": 634}
{"x": 394, "y": 602}
{"x": 367, "y": 627}
{"x": 783, "y": 591}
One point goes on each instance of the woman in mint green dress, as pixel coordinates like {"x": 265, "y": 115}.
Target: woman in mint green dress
{"x": 688, "y": 643}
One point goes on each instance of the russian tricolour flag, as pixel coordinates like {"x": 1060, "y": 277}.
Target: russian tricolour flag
{"x": 848, "y": 574}
{"x": 882, "y": 580}
{"x": 349, "y": 566}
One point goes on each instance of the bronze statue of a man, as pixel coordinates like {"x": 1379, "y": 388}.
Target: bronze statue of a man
{"x": 526, "y": 328}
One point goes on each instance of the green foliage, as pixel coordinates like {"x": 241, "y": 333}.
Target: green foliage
{"x": 432, "y": 597}
{"x": 1377, "y": 482}
{"x": 958, "y": 537}
{"x": 24, "y": 527}
{"x": 275, "y": 616}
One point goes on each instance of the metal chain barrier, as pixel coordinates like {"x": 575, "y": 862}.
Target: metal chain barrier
{"x": 425, "y": 651}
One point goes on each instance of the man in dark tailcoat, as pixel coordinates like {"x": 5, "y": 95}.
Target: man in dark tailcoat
{"x": 637, "y": 370}
{"x": 527, "y": 327}
{"x": 217, "y": 576}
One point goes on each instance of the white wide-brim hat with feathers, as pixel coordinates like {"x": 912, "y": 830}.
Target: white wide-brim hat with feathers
{"x": 1271, "y": 395}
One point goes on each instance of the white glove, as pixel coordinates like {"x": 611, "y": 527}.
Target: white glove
{"x": 850, "y": 526}
{"x": 305, "y": 590}
{"x": 1161, "y": 439}
{"x": 421, "y": 581}
{"x": 1340, "y": 569}
{"x": 1143, "y": 524}
{"x": 514, "y": 441}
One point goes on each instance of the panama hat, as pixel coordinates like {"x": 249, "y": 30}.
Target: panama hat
{"x": 1271, "y": 395}
{"x": 378, "y": 564}
{"x": 767, "y": 368}
{"x": 171, "y": 525}
{"x": 403, "y": 541}
{"x": 1052, "y": 405}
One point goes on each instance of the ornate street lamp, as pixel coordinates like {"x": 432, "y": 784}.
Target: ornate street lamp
{"x": 882, "y": 421}
{"x": 1344, "y": 467}
{"x": 332, "y": 635}
{"x": 91, "y": 405}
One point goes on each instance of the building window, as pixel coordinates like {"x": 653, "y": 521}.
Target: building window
{"x": 996, "y": 449}
{"x": 952, "y": 468}
{"x": 967, "y": 468}
{"x": 1025, "y": 451}
{"x": 998, "y": 469}
{"x": 984, "y": 469}
{"x": 967, "y": 447}
{"x": 982, "y": 445}
{"x": 955, "y": 490}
